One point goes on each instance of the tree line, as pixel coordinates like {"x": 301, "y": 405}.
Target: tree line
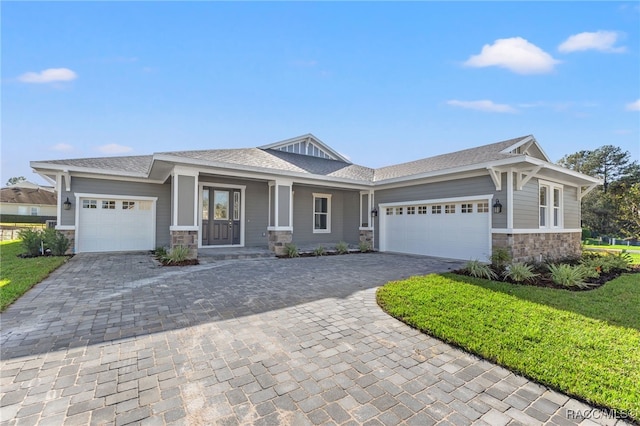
{"x": 612, "y": 209}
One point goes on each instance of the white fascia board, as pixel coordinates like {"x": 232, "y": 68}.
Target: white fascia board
{"x": 44, "y": 167}
{"x": 117, "y": 178}
{"x": 254, "y": 172}
{"x": 550, "y": 166}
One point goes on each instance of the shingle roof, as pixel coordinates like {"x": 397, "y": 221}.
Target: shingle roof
{"x": 462, "y": 158}
{"x": 129, "y": 164}
{"x": 18, "y": 195}
{"x": 275, "y": 160}
{"x": 279, "y": 160}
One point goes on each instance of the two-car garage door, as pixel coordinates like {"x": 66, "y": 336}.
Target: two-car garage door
{"x": 454, "y": 229}
{"x": 115, "y": 224}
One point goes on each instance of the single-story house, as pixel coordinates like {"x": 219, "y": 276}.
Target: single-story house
{"x": 28, "y": 202}
{"x": 300, "y": 190}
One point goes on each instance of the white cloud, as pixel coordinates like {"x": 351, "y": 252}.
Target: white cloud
{"x": 602, "y": 41}
{"x": 49, "y": 75}
{"x": 515, "y": 54}
{"x": 62, "y": 147}
{"x": 633, "y": 106}
{"x": 484, "y": 105}
{"x": 114, "y": 148}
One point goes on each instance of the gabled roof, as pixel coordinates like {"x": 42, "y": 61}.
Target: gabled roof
{"x": 305, "y": 145}
{"x": 26, "y": 195}
{"x": 466, "y": 157}
{"x": 272, "y": 160}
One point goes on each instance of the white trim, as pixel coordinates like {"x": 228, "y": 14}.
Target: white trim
{"x": 436, "y": 201}
{"x": 510, "y": 199}
{"x": 582, "y": 191}
{"x": 496, "y": 177}
{"x": 70, "y": 168}
{"x": 65, "y": 227}
{"x": 67, "y": 181}
{"x": 183, "y": 228}
{"x": 59, "y": 198}
{"x": 242, "y": 188}
{"x": 313, "y": 211}
{"x": 551, "y": 186}
{"x": 535, "y": 231}
{"x": 117, "y": 197}
{"x": 528, "y": 174}
{"x": 280, "y": 228}
{"x": 185, "y": 171}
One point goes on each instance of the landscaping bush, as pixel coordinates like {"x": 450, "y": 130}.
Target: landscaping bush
{"x": 364, "y": 246}
{"x": 177, "y": 254}
{"x": 55, "y": 241}
{"x": 569, "y": 275}
{"x": 477, "y": 269}
{"x": 319, "y": 251}
{"x": 292, "y": 250}
{"x": 31, "y": 241}
{"x": 342, "y": 247}
{"x": 500, "y": 258}
{"x": 519, "y": 272}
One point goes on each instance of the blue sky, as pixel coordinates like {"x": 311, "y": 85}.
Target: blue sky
{"x": 382, "y": 83}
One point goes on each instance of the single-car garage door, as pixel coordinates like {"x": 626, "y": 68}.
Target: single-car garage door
{"x": 458, "y": 230}
{"x": 115, "y": 224}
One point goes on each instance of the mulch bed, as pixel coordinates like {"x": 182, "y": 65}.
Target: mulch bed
{"x": 326, "y": 253}
{"x": 186, "y": 262}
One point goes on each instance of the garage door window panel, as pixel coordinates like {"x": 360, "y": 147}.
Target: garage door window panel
{"x": 109, "y": 204}
{"x": 436, "y": 209}
{"x": 449, "y": 208}
{"x": 89, "y": 204}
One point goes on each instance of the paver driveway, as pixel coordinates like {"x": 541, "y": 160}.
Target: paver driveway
{"x": 115, "y": 339}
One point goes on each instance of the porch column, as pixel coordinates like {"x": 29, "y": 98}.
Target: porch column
{"x": 280, "y": 227}
{"x": 184, "y": 209}
{"x": 366, "y": 218}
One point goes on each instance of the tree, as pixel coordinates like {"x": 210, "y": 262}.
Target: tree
{"x": 15, "y": 180}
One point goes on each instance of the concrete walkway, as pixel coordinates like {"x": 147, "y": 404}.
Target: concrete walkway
{"x": 116, "y": 339}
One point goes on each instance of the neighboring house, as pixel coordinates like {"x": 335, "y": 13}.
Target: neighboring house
{"x": 301, "y": 190}
{"x": 28, "y": 202}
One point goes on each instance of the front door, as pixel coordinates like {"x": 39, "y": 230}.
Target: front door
{"x": 220, "y": 216}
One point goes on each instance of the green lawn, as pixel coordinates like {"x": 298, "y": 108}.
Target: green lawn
{"x": 611, "y": 247}
{"x": 18, "y": 275}
{"x": 635, "y": 257}
{"x": 582, "y": 343}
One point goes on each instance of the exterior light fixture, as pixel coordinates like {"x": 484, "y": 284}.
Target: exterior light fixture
{"x": 497, "y": 207}
{"x": 374, "y": 212}
{"x": 67, "y": 204}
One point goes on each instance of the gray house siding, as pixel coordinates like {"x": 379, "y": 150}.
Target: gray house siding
{"x": 185, "y": 200}
{"x": 256, "y": 208}
{"x": 467, "y": 187}
{"x": 526, "y": 210}
{"x": 345, "y": 212}
{"x": 114, "y": 187}
{"x": 571, "y": 206}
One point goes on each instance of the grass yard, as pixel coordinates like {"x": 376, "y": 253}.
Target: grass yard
{"x": 584, "y": 344}
{"x": 616, "y": 247}
{"x": 635, "y": 257}
{"x": 17, "y": 275}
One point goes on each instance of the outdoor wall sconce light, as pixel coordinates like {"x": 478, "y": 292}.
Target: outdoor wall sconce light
{"x": 67, "y": 204}
{"x": 497, "y": 207}
{"x": 374, "y": 212}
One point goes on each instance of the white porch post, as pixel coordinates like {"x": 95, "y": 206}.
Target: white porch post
{"x": 280, "y": 215}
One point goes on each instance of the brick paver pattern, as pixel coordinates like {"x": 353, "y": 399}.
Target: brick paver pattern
{"x": 117, "y": 339}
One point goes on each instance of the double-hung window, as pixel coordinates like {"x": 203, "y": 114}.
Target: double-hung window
{"x": 550, "y": 202}
{"x": 321, "y": 213}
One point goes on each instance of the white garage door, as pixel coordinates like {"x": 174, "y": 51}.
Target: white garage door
{"x": 458, "y": 230}
{"x": 114, "y": 224}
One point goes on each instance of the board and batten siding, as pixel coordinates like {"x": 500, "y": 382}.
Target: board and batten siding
{"x": 467, "y": 187}
{"x": 256, "y": 209}
{"x": 345, "y": 216}
{"x": 124, "y": 188}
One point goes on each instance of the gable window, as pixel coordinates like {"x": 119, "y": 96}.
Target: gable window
{"x": 321, "y": 213}
{"x": 550, "y": 205}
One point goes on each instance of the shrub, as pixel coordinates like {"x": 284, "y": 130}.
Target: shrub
{"x": 319, "y": 251}
{"x": 177, "y": 254}
{"x": 519, "y": 272}
{"x": 160, "y": 252}
{"x": 292, "y": 250}
{"x": 500, "y": 258}
{"x": 568, "y": 275}
{"x": 32, "y": 242}
{"x": 364, "y": 246}
{"x": 55, "y": 241}
{"x": 477, "y": 269}
{"x": 620, "y": 261}
{"x": 342, "y": 247}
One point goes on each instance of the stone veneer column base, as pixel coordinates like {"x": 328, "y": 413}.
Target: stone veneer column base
{"x": 71, "y": 236}
{"x": 366, "y": 236}
{"x": 540, "y": 246}
{"x": 186, "y": 239}
{"x": 278, "y": 241}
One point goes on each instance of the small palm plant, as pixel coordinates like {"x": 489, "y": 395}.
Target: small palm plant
{"x": 292, "y": 250}
{"x": 319, "y": 251}
{"x": 342, "y": 247}
{"x": 519, "y": 272}
{"x": 568, "y": 275}
{"x": 477, "y": 269}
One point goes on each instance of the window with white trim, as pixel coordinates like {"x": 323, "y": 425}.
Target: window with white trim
{"x": 89, "y": 204}
{"x": 483, "y": 207}
{"x": 422, "y": 209}
{"x": 109, "y": 204}
{"x": 389, "y": 211}
{"x": 550, "y": 205}
{"x": 398, "y": 210}
{"x": 436, "y": 209}
{"x": 466, "y": 208}
{"x": 321, "y": 213}
{"x": 449, "y": 208}
{"x": 128, "y": 205}
{"x": 411, "y": 210}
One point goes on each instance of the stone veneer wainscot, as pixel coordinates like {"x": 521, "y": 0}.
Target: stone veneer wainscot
{"x": 540, "y": 246}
